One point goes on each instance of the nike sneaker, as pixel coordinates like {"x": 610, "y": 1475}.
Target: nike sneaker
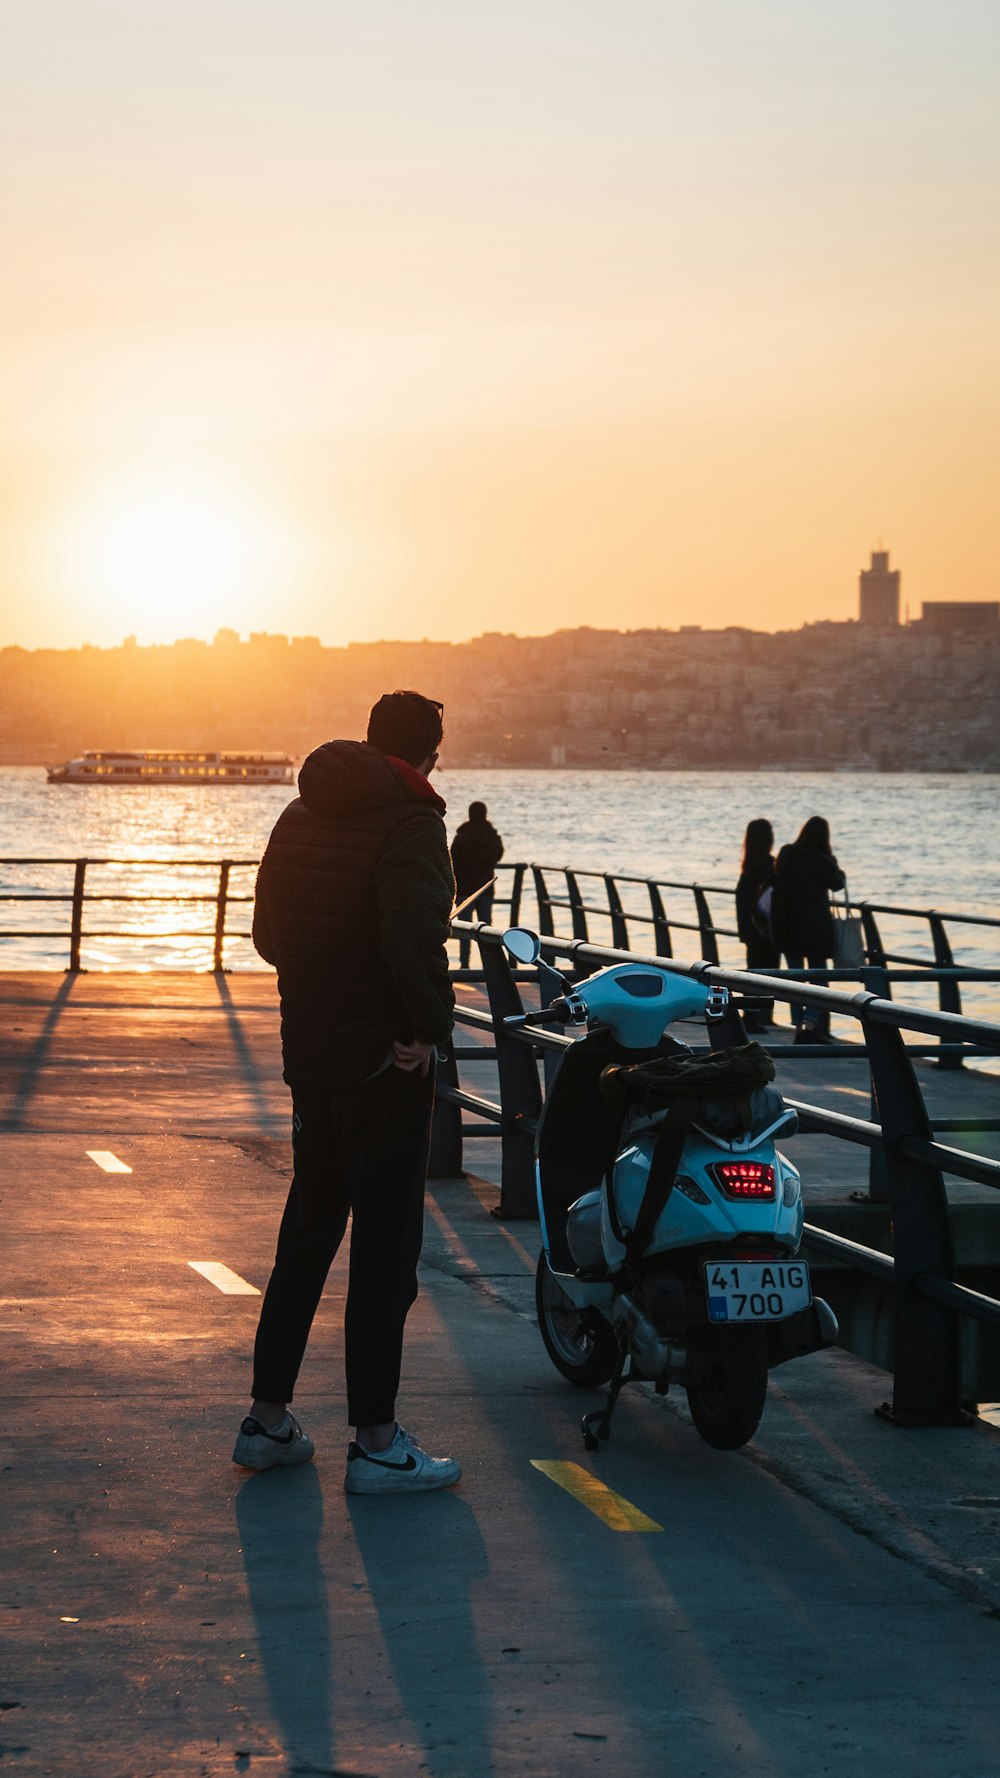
{"x": 258, "y": 1448}
{"x": 405, "y": 1468}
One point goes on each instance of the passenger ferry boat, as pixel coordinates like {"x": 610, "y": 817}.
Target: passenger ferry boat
{"x": 155, "y": 765}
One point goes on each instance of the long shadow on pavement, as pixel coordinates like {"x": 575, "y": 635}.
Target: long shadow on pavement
{"x": 37, "y": 1059}
{"x": 280, "y": 1518}
{"x": 255, "y": 1080}
{"x": 423, "y": 1559}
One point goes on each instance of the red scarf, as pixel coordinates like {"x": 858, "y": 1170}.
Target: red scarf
{"x": 416, "y": 782}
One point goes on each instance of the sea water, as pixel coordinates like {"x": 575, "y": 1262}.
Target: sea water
{"x": 912, "y": 840}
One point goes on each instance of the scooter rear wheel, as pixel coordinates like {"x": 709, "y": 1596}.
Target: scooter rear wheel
{"x": 727, "y": 1407}
{"x": 585, "y": 1355}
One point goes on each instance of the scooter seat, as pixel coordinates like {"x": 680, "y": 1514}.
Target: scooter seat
{"x": 578, "y": 1134}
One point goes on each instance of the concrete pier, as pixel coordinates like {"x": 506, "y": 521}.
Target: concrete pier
{"x": 825, "y": 1602}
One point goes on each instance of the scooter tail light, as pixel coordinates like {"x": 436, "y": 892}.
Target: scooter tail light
{"x": 745, "y": 1179}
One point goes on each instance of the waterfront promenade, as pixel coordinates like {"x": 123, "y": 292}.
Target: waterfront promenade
{"x": 827, "y": 1601}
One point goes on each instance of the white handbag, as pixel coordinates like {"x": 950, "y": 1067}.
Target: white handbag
{"x": 848, "y": 935}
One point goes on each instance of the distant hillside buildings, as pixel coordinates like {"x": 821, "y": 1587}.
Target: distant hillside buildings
{"x": 878, "y": 604}
{"x": 968, "y": 617}
{"x": 838, "y": 696}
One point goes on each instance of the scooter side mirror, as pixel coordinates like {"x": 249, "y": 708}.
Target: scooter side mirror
{"x": 522, "y": 944}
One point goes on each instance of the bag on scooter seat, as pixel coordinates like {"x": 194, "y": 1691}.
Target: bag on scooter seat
{"x": 717, "y": 1091}
{"x": 723, "y": 1085}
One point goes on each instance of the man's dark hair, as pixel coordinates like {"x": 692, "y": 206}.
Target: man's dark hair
{"x": 477, "y": 811}
{"x": 407, "y": 725}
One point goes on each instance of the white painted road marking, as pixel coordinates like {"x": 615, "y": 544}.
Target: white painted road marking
{"x": 108, "y": 1162}
{"x": 230, "y": 1283}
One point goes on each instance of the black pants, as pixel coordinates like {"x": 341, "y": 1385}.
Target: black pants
{"x": 362, "y": 1151}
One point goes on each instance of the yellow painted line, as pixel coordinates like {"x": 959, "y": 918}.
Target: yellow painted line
{"x": 230, "y": 1283}
{"x": 108, "y": 1162}
{"x": 615, "y": 1511}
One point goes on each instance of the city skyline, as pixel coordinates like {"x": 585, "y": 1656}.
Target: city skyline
{"x": 834, "y": 696}
{"x": 383, "y": 321}
{"x": 879, "y": 602}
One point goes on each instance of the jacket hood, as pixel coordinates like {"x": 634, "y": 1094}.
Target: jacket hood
{"x": 342, "y": 777}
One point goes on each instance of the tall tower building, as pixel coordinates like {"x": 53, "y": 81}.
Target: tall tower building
{"x": 879, "y": 592}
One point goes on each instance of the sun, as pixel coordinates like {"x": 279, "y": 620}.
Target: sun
{"x": 171, "y": 556}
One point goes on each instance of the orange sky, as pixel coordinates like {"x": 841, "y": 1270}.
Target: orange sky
{"x": 399, "y": 320}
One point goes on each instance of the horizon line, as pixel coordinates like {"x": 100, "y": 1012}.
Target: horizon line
{"x": 227, "y": 637}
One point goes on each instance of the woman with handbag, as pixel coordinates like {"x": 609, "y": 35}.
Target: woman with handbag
{"x": 753, "y": 914}
{"x": 805, "y": 875}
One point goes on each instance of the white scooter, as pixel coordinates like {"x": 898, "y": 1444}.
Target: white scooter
{"x": 670, "y": 1246}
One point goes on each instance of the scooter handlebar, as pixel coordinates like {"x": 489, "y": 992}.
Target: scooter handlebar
{"x": 556, "y": 1014}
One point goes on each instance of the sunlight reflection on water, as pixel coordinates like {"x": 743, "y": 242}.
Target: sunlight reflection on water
{"x": 918, "y": 840}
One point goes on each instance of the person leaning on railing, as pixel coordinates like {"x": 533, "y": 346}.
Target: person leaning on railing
{"x": 753, "y": 913}
{"x": 476, "y": 851}
{"x": 804, "y": 876}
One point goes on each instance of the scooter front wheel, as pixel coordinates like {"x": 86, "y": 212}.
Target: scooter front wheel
{"x": 584, "y": 1353}
{"x": 726, "y": 1408}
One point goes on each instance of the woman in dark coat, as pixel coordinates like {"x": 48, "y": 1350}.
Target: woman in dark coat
{"x": 805, "y": 874}
{"x": 752, "y": 922}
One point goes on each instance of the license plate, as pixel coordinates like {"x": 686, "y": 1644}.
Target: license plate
{"x": 767, "y": 1292}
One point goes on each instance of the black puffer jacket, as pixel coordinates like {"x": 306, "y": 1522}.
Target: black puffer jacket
{"x": 353, "y": 899}
{"x": 476, "y": 851}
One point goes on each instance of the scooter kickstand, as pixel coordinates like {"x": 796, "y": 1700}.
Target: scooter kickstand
{"x": 602, "y": 1416}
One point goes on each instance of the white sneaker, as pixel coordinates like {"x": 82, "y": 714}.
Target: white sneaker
{"x": 405, "y": 1468}
{"x": 256, "y": 1448}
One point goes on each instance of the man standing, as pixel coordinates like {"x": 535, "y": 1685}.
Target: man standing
{"x": 353, "y": 900}
{"x": 476, "y": 851}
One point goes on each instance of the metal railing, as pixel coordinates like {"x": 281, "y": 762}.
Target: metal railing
{"x": 80, "y": 896}
{"x": 556, "y": 890}
{"x": 517, "y": 884}
{"x": 921, "y": 1270}
{"x": 907, "y": 1163}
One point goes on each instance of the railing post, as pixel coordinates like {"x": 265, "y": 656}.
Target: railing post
{"x": 446, "y": 1125}
{"x": 516, "y": 887}
{"x": 873, "y": 942}
{"x": 520, "y": 1093}
{"x": 661, "y": 925}
{"x": 545, "y": 925}
{"x": 221, "y": 903}
{"x": 576, "y": 906}
{"x": 619, "y": 925}
{"x": 876, "y": 981}
{"x": 76, "y": 917}
{"x": 949, "y": 993}
{"x": 927, "y": 1384}
{"x": 706, "y": 929}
